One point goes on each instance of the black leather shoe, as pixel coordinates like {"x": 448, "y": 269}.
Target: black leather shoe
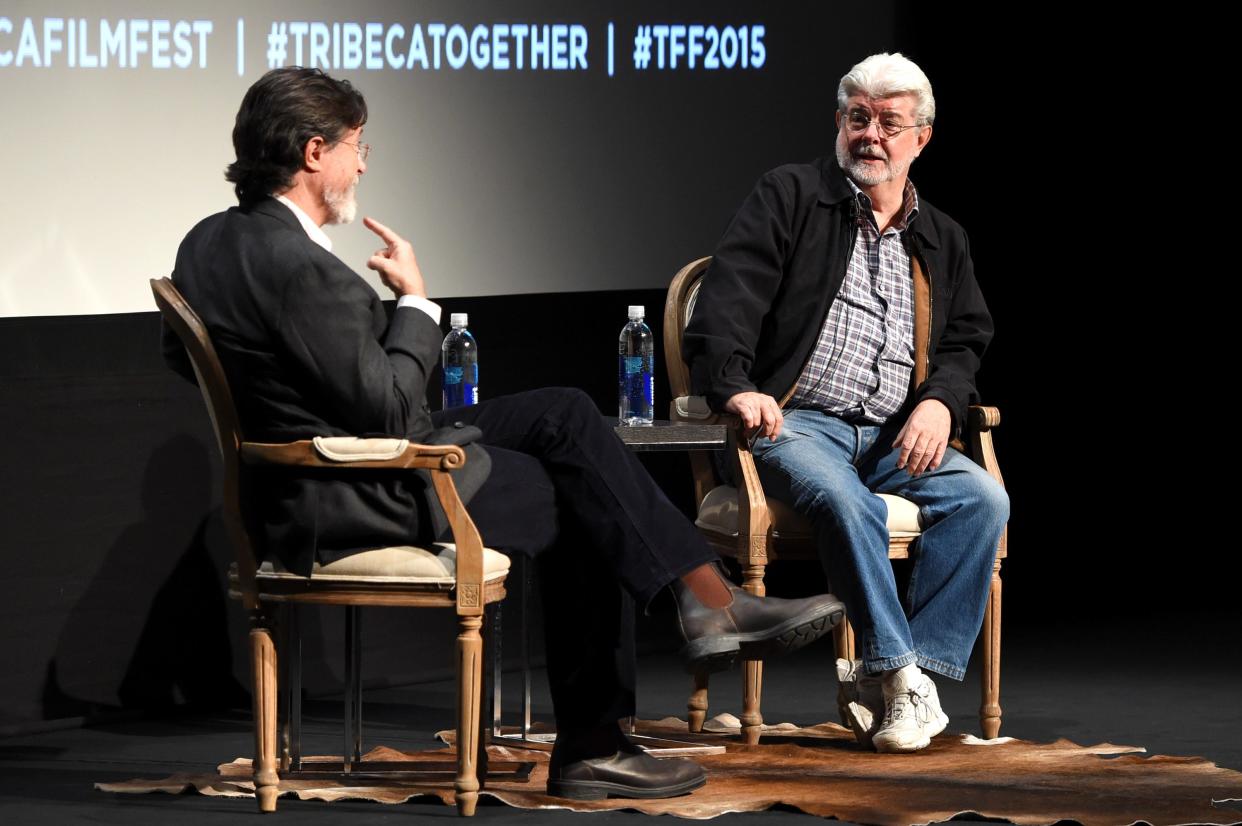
{"x": 627, "y": 772}
{"x": 751, "y": 628}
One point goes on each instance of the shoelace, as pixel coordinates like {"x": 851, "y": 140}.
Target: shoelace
{"x": 894, "y": 707}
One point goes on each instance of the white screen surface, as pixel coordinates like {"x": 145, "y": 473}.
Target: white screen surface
{"x": 614, "y": 153}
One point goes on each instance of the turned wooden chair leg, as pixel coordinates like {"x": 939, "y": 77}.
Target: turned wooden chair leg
{"x": 290, "y": 690}
{"x": 263, "y": 671}
{"x": 989, "y": 709}
{"x": 752, "y": 670}
{"x": 843, "y": 640}
{"x": 697, "y": 705}
{"x": 469, "y": 700}
{"x": 752, "y": 690}
{"x": 489, "y": 684}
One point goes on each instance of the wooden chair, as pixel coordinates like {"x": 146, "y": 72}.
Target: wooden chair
{"x": 743, "y": 523}
{"x": 466, "y": 577}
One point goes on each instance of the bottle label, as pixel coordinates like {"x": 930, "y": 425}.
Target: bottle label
{"x": 461, "y": 386}
{"x": 633, "y": 365}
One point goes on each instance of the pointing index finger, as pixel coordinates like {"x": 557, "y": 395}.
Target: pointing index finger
{"x": 382, "y": 231}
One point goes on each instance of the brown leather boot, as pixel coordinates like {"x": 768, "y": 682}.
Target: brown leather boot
{"x": 750, "y": 628}
{"x": 583, "y": 768}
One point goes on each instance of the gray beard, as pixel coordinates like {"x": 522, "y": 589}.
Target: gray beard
{"x": 342, "y": 205}
{"x": 862, "y": 174}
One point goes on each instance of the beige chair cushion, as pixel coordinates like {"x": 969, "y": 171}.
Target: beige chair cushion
{"x": 718, "y": 513}
{"x": 353, "y": 449}
{"x": 400, "y": 564}
{"x": 692, "y": 407}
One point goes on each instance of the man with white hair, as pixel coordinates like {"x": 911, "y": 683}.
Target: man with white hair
{"x": 840, "y": 291}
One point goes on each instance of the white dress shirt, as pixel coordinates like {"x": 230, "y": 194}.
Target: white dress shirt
{"x": 321, "y": 238}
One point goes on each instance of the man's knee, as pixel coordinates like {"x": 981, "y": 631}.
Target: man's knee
{"x": 574, "y": 410}
{"x": 986, "y": 497}
{"x": 561, "y": 404}
{"x": 571, "y": 400}
{"x": 998, "y": 500}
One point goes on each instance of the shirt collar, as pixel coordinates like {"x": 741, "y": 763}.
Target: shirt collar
{"x": 315, "y": 232}
{"x": 909, "y": 203}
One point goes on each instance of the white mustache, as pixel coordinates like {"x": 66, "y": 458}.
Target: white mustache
{"x": 870, "y": 151}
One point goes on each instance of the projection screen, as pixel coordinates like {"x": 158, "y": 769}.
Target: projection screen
{"x": 522, "y": 146}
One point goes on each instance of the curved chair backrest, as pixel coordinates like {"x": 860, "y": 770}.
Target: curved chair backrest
{"x": 678, "y": 308}
{"x": 215, "y": 389}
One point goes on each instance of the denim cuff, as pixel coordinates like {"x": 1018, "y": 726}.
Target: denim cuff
{"x": 888, "y": 664}
{"x": 953, "y": 672}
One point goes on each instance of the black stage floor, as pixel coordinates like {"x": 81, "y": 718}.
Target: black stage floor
{"x": 1168, "y": 685}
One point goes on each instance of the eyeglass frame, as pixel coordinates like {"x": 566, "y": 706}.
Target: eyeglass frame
{"x": 363, "y": 149}
{"x": 880, "y": 129}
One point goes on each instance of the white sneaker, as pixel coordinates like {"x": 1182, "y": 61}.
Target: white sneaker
{"x": 860, "y": 700}
{"x": 912, "y": 714}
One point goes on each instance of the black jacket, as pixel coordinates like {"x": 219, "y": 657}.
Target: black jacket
{"x": 780, "y": 265}
{"x": 309, "y": 351}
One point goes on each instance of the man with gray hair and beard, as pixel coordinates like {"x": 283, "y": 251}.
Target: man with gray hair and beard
{"x": 811, "y": 299}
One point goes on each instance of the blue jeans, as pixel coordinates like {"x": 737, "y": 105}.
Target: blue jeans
{"x": 828, "y": 469}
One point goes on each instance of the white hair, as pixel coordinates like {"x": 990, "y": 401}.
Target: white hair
{"x": 885, "y": 75}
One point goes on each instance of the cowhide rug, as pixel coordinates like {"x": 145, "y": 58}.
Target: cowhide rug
{"x": 822, "y": 771}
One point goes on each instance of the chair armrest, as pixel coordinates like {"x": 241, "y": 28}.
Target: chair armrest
{"x": 980, "y": 420}
{"x": 439, "y": 459}
{"x": 303, "y": 454}
{"x": 692, "y": 409}
{"x": 980, "y": 417}
{"x": 754, "y": 519}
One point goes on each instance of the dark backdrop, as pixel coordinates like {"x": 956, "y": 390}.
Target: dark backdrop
{"x": 113, "y": 596}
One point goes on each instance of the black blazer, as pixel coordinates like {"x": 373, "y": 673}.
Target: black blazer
{"x": 309, "y": 351}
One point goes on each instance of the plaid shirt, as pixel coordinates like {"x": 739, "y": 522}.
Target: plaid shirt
{"x": 860, "y": 367}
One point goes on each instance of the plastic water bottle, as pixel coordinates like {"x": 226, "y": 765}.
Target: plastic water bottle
{"x": 460, "y": 359}
{"x": 635, "y": 371}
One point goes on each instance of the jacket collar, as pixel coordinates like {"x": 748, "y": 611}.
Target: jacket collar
{"x": 274, "y": 209}
{"x": 834, "y": 190}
